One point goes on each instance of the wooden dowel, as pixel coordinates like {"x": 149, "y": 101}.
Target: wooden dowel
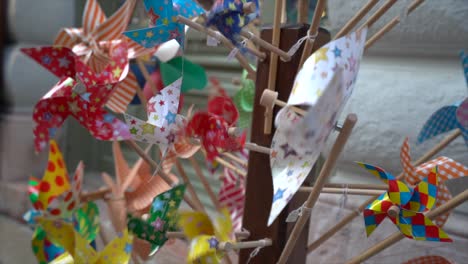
{"x": 302, "y": 11}
{"x": 343, "y": 190}
{"x": 266, "y": 45}
{"x": 313, "y": 31}
{"x": 240, "y": 161}
{"x": 205, "y": 183}
{"x": 272, "y": 70}
{"x": 390, "y": 25}
{"x": 177, "y": 234}
{"x": 429, "y": 154}
{"x": 231, "y": 166}
{"x": 242, "y": 60}
{"x": 189, "y": 185}
{"x": 356, "y": 18}
{"x": 254, "y": 147}
{"x": 327, "y": 168}
{"x": 378, "y": 14}
{"x": 364, "y": 186}
{"x": 448, "y": 206}
{"x": 260, "y": 55}
{"x": 284, "y": 13}
{"x": 95, "y": 195}
{"x": 228, "y": 246}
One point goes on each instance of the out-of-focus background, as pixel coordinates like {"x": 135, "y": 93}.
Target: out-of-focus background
{"x": 411, "y": 72}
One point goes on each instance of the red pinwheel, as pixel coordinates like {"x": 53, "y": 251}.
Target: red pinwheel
{"x": 212, "y": 127}
{"x": 80, "y": 93}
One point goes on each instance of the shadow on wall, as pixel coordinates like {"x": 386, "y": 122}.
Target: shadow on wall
{"x": 4, "y": 101}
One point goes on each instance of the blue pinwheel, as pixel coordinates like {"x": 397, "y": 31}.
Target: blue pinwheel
{"x": 163, "y": 25}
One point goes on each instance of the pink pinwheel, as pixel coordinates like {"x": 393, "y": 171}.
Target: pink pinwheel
{"x": 94, "y": 40}
{"x": 80, "y": 93}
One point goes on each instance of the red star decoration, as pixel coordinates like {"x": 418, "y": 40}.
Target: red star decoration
{"x": 174, "y": 34}
{"x": 161, "y": 102}
{"x": 153, "y": 16}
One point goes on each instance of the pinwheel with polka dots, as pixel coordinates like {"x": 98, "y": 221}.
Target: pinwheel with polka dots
{"x": 405, "y": 206}
{"x": 80, "y": 93}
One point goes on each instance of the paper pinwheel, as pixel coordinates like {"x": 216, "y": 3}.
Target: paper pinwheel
{"x": 79, "y": 93}
{"x": 229, "y": 18}
{"x": 78, "y": 249}
{"x": 161, "y": 126}
{"x": 447, "y": 169}
{"x": 211, "y": 127}
{"x": 324, "y": 84}
{"x": 429, "y": 260}
{"x": 404, "y": 206}
{"x": 93, "y": 41}
{"x": 464, "y": 61}
{"x": 244, "y": 100}
{"x": 232, "y": 193}
{"x": 163, "y": 24}
{"x": 194, "y": 75}
{"x": 162, "y": 218}
{"x": 205, "y": 235}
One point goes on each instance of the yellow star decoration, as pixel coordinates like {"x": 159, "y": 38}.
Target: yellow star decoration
{"x": 229, "y": 21}
{"x": 135, "y": 34}
{"x": 165, "y": 21}
{"x": 306, "y": 164}
{"x": 321, "y": 54}
{"x": 147, "y": 129}
{"x": 156, "y": 117}
{"x": 117, "y": 71}
{"x": 232, "y": 6}
{"x": 296, "y": 85}
{"x": 149, "y": 34}
{"x": 61, "y": 108}
{"x": 172, "y": 203}
{"x": 318, "y": 92}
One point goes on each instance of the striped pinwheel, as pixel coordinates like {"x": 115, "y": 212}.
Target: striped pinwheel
{"x": 447, "y": 169}
{"x": 163, "y": 24}
{"x": 162, "y": 218}
{"x": 448, "y": 117}
{"x": 80, "y": 93}
{"x": 404, "y": 206}
{"x": 205, "y": 235}
{"x": 97, "y": 36}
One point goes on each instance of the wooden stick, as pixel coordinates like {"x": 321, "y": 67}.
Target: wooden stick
{"x": 356, "y": 18}
{"x": 344, "y": 190}
{"x": 205, "y": 183}
{"x": 95, "y": 195}
{"x": 240, "y": 161}
{"x": 302, "y": 11}
{"x": 452, "y": 203}
{"x": 242, "y": 60}
{"x": 228, "y": 246}
{"x": 430, "y": 153}
{"x": 239, "y": 235}
{"x": 254, "y": 147}
{"x": 390, "y": 25}
{"x": 357, "y": 186}
{"x": 189, "y": 185}
{"x": 313, "y": 31}
{"x": 266, "y": 45}
{"x": 273, "y": 63}
{"x": 284, "y": 13}
{"x": 327, "y": 168}
{"x": 231, "y": 166}
{"x": 378, "y": 14}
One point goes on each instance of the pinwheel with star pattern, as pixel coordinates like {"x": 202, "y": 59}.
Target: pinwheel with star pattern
{"x": 94, "y": 40}
{"x": 404, "y": 206}
{"x": 78, "y": 249}
{"x": 163, "y": 24}
{"x": 205, "y": 235}
{"x": 447, "y": 169}
{"x": 80, "y": 93}
{"x": 162, "y": 218}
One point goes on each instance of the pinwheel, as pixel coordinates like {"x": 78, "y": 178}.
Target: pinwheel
{"x": 447, "y": 169}
{"x": 448, "y": 117}
{"x": 162, "y": 122}
{"x": 429, "y": 260}
{"x": 244, "y": 100}
{"x": 232, "y": 193}
{"x": 79, "y": 251}
{"x": 211, "y": 127}
{"x": 404, "y": 206}
{"x": 229, "y": 17}
{"x": 93, "y": 41}
{"x": 324, "y": 84}
{"x": 54, "y": 198}
{"x": 205, "y": 235}
{"x": 79, "y": 93}
{"x": 163, "y": 24}
{"x": 162, "y": 218}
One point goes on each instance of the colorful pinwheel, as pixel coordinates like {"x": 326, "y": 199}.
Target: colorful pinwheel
{"x": 93, "y": 41}
{"x": 205, "y": 235}
{"x": 447, "y": 169}
{"x": 404, "y": 206}
{"x": 244, "y": 100}
{"x": 429, "y": 260}
{"x": 78, "y": 249}
{"x": 229, "y": 18}
{"x": 79, "y": 93}
{"x": 162, "y": 218}
{"x": 464, "y": 61}
{"x": 162, "y": 124}
{"x": 163, "y": 24}
{"x": 211, "y": 127}
{"x": 324, "y": 85}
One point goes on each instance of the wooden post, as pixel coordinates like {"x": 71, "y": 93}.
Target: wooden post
{"x": 259, "y": 189}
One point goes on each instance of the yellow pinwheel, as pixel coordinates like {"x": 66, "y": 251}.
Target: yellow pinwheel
{"x": 78, "y": 250}
{"x": 205, "y": 235}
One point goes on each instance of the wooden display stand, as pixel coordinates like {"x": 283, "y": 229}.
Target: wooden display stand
{"x": 259, "y": 189}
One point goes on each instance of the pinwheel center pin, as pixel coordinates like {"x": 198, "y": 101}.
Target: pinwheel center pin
{"x": 393, "y": 211}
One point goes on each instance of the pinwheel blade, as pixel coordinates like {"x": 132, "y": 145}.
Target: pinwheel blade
{"x": 372, "y": 220}
{"x": 441, "y": 121}
{"x": 417, "y": 226}
{"x": 425, "y": 193}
